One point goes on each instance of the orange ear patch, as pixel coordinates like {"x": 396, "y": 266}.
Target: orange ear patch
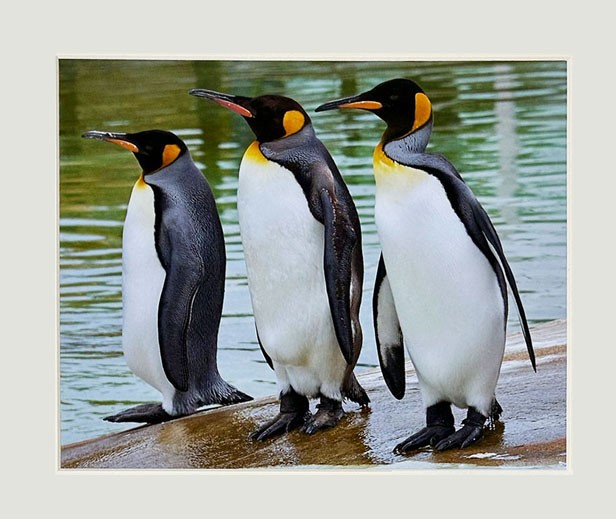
{"x": 293, "y": 121}
{"x": 423, "y": 110}
{"x": 170, "y": 153}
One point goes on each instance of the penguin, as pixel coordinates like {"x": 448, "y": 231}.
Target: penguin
{"x": 173, "y": 275}
{"x": 441, "y": 283}
{"x": 301, "y": 237}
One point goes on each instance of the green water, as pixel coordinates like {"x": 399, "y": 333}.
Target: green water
{"x": 502, "y": 124}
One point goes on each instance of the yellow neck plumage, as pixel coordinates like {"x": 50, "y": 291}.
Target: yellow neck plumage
{"x": 392, "y": 175}
{"x": 381, "y": 161}
{"x": 253, "y": 153}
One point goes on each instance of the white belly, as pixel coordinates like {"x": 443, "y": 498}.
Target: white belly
{"x": 283, "y": 248}
{"x": 446, "y": 294}
{"x": 142, "y": 283}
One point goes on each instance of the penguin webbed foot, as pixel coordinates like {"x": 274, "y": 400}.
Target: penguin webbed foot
{"x": 495, "y": 412}
{"x": 329, "y": 413}
{"x": 294, "y": 412}
{"x": 429, "y": 435}
{"x": 282, "y": 423}
{"x": 439, "y": 425}
{"x": 471, "y": 431}
{"x": 462, "y": 438}
{"x": 144, "y": 413}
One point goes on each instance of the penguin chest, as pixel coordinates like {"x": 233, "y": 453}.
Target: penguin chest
{"x": 445, "y": 291}
{"x": 284, "y": 250}
{"x": 142, "y": 281}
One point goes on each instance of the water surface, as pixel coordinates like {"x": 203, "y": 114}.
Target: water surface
{"x": 503, "y": 124}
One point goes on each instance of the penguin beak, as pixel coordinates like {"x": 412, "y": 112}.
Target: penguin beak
{"x": 234, "y": 103}
{"x": 121, "y": 139}
{"x": 358, "y": 101}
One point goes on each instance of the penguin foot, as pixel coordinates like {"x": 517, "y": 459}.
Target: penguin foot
{"x": 282, "y": 423}
{"x": 294, "y": 412}
{"x": 439, "y": 425}
{"x": 471, "y": 431}
{"x": 495, "y": 411}
{"x": 329, "y": 413}
{"x": 144, "y": 413}
{"x": 426, "y": 436}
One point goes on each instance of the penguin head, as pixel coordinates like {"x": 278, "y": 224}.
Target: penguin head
{"x": 401, "y": 103}
{"x": 154, "y": 149}
{"x": 271, "y": 117}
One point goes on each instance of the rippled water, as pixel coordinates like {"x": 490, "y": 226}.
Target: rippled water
{"x": 502, "y": 124}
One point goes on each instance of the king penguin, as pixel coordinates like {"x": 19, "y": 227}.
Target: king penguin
{"x": 173, "y": 275}
{"x": 441, "y": 284}
{"x": 302, "y": 245}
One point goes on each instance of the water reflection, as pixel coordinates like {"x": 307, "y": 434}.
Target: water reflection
{"x": 502, "y": 124}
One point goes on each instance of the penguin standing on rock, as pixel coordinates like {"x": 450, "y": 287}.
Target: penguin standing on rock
{"x": 441, "y": 284}
{"x": 302, "y": 245}
{"x": 173, "y": 275}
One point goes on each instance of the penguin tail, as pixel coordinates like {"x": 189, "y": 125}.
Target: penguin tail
{"x": 235, "y": 397}
{"x": 354, "y": 392}
{"x": 224, "y": 393}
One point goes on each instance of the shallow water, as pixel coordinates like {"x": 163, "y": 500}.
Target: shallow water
{"x": 502, "y": 124}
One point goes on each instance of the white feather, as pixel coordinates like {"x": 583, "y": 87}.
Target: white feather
{"x": 446, "y": 294}
{"x": 283, "y": 248}
{"x": 142, "y": 282}
{"x": 387, "y": 322}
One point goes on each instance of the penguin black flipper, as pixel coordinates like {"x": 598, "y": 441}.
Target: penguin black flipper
{"x": 479, "y": 227}
{"x": 185, "y": 270}
{"x": 178, "y": 294}
{"x": 265, "y": 355}
{"x": 389, "y": 340}
{"x": 339, "y": 242}
{"x": 486, "y": 226}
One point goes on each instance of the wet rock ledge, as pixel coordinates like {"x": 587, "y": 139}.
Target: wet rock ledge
{"x": 531, "y": 433}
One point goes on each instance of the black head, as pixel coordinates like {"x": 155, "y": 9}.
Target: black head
{"x": 154, "y": 149}
{"x": 271, "y": 117}
{"x": 401, "y": 103}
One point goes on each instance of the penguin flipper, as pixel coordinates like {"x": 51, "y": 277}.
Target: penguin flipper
{"x": 340, "y": 239}
{"x": 484, "y": 222}
{"x": 389, "y": 339}
{"x": 174, "y": 312}
{"x": 265, "y": 355}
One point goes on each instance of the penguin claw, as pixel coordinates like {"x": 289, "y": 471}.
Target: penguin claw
{"x": 283, "y": 422}
{"x": 322, "y": 419}
{"x": 462, "y": 438}
{"x": 329, "y": 413}
{"x": 426, "y": 436}
{"x": 471, "y": 431}
{"x": 144, "y": 413}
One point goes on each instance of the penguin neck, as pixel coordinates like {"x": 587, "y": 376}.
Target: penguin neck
{"x": 140, "y": 184}
{"x": 280, "y": 148}
{"x": 178, "y": 164}
{"x": 411, "y": 143}
{"x": 392, "y": 160}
